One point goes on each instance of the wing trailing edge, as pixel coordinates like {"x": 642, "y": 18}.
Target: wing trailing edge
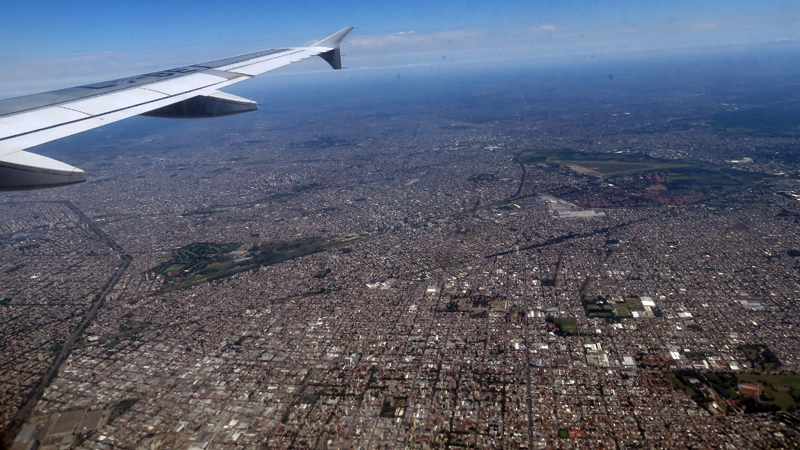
{"x": 217, "y": 104}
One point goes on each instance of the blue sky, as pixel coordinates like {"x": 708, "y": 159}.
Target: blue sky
{"x": 50, "y": 44}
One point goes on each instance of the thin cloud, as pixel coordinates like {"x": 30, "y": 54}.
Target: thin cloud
{"x": 702, "y": 26}
{"x": 610, "y": 32}
{"x": 411, "y": 38}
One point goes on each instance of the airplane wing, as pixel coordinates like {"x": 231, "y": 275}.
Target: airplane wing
{"x": 185, "y": 92}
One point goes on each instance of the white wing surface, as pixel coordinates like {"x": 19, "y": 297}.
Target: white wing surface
{"x": 185, "y": 92}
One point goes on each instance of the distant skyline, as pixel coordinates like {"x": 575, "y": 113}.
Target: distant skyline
{"x": 49, "y": 44}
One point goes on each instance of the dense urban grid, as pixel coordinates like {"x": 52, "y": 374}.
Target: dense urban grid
{"x": 466, "y": 295}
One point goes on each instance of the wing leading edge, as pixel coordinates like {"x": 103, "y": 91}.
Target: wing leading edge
{"x": 184, "y": 92}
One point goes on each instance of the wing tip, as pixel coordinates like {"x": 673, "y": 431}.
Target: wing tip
{"x": 332, "y": 42}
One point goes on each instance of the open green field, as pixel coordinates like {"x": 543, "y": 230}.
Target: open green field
{"x": 567, "y": 326}
{"x": 641, "y": 171}
{"x": 460, "y": 125}
{"x": 783, "y": 388}
{"x": 599, "y": 307}
{"x": 194, "y": 257}
{"x": 602, "y": 169}
{"x": 203, "y": 262}
{"x": 603, "y": 164}
{"x": 700, "y": 178}
{"x": 681, "y": 385}
{"x": 778, "y": 392}
{"x": 781, "y": 119}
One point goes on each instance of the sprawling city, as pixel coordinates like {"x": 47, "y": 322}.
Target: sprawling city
{"x": 569, "y": 255}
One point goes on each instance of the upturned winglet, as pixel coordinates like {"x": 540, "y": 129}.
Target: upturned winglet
{"x": 333, "y": 56}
